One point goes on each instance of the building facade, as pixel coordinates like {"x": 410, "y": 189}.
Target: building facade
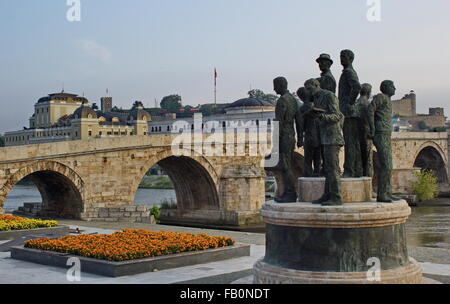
{"x": 406, "y": 110}
{"x": 244, "y": 113}
{"x": 63, "y": 117}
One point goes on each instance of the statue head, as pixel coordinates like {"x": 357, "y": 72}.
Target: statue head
{"x": 312, "y": 86}
{"x": 366, "y": 90}
{"x": 388, "y": 88}
{"x": 280, "y": 85}
{"x": 347, "y": 57}
{"x": 303, "y": 94}
{"x": 324, "y": 62}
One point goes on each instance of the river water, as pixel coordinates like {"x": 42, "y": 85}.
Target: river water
{"x": 30, "y": 194}
{"x": 428, "y": 226}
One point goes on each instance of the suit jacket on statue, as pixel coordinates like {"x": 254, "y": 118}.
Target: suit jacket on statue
{"x": 349, "y": 89}
{"x": 327, "y": 82}
{"x": 285, "y": 111}
{"x": 331, "y": 121}
{"x": 308, "y": 126}
{"x": 380, "y": 113}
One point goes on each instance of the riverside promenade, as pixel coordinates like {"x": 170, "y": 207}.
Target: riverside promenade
{"x": 434, "y": 261}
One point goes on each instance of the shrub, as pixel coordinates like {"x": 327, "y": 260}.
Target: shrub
{"x": 155, "y": 212}
{"x": 426, "y": 187}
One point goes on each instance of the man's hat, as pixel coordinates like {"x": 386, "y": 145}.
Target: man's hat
{"x": 324, "y": 57}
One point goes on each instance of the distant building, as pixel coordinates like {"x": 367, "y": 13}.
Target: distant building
{"x": 244, "y": 112}
{"x": 63, "y": 117}
{"x": 400, "y": 125}
{"x": 406, "y": 109}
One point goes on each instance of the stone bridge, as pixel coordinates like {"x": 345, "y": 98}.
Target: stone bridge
{"x": 98, "y": 179}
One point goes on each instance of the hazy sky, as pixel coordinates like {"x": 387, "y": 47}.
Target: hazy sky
{"x": 147, "y": 49}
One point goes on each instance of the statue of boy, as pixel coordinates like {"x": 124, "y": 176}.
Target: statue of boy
{"x": 285, "y": 112}
{"x": 327, "y": 80}
{"x": 365, "y": 142}
{"x": 308, "y": 134}
{"x": 380, "y": 111}
{"x": 330, "y": 117}
{"x": 349, "y": 88}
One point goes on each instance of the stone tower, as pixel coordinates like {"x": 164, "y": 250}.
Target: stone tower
{"x": 106, "y": 103}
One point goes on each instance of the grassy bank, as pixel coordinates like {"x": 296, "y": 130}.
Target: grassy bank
{"x": 156, "y": 182}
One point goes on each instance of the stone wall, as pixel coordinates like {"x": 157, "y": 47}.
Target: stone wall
{"x": 103, "y": 175}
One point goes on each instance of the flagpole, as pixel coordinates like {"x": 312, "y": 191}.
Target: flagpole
{"x": 215, "y": 87}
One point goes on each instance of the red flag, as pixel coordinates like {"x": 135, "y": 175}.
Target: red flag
{"x": 215, "y": 73}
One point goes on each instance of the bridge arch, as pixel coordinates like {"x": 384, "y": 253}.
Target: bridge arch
{"x": 61, "y": 188}
{"x": 194, "y": 178}
{"x": 431, "y": 157}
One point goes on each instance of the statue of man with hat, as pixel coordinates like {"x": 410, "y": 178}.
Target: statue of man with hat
{"x": 327, "y": 80}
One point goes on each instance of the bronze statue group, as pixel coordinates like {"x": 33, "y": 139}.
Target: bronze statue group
{"x": 326, "y": 122}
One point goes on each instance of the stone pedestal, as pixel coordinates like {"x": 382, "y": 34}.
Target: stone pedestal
{"x": 311, "y": 244}
{"x": 354, "y": 190}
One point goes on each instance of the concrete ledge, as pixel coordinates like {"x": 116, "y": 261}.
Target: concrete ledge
{"x": 126, "y": 268}
{"x": 210, "y": 218}
{"x": 356, "y": 215}
{"x": 15, "y": 234}
{"x": 270, "y": 274}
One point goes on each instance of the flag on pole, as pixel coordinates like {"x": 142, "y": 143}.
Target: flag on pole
{"x": 215, "y": 86}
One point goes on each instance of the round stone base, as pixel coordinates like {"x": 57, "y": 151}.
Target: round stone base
{"x": 354, "y": 190}
{"x": 307, "y": 243}
{"x": 270, "y": 274}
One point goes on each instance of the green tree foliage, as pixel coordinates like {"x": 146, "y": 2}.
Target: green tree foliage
{"x": 259, "y": 94}
{"x": 171, "y": 103}
{"x": 426, "y": 187}
{"x": 207, "y": 110}
{"x": 155, "y": 211}
{"x": 2, "y": 141}
{"x": 422, "y": 125}
{"x": 438, "y": 129}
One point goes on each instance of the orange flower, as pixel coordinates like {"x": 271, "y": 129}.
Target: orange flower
{"x": 130, "y": 244}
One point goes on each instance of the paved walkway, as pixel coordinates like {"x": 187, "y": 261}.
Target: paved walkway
{"x": 435, "y": 262}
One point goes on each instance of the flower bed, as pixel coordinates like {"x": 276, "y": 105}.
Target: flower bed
{"x": 9, "y": 222}
{"x": 130, "y": 244}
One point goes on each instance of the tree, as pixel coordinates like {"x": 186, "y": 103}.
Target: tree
{"x": 439, "y": 129}
{"x": 171, "y": 103}
{"x": 2, "y": 141}
{"x": 207, "y": 110}
{"x": 426, "y": 187}
{"x": 422, "y": 125}
{"x": 259, "y": 94}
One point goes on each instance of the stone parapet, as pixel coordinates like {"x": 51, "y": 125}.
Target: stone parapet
{"x": 211, "y": 218}
{"x": 354, "y": 190}
{"x": 130, "y": 214}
